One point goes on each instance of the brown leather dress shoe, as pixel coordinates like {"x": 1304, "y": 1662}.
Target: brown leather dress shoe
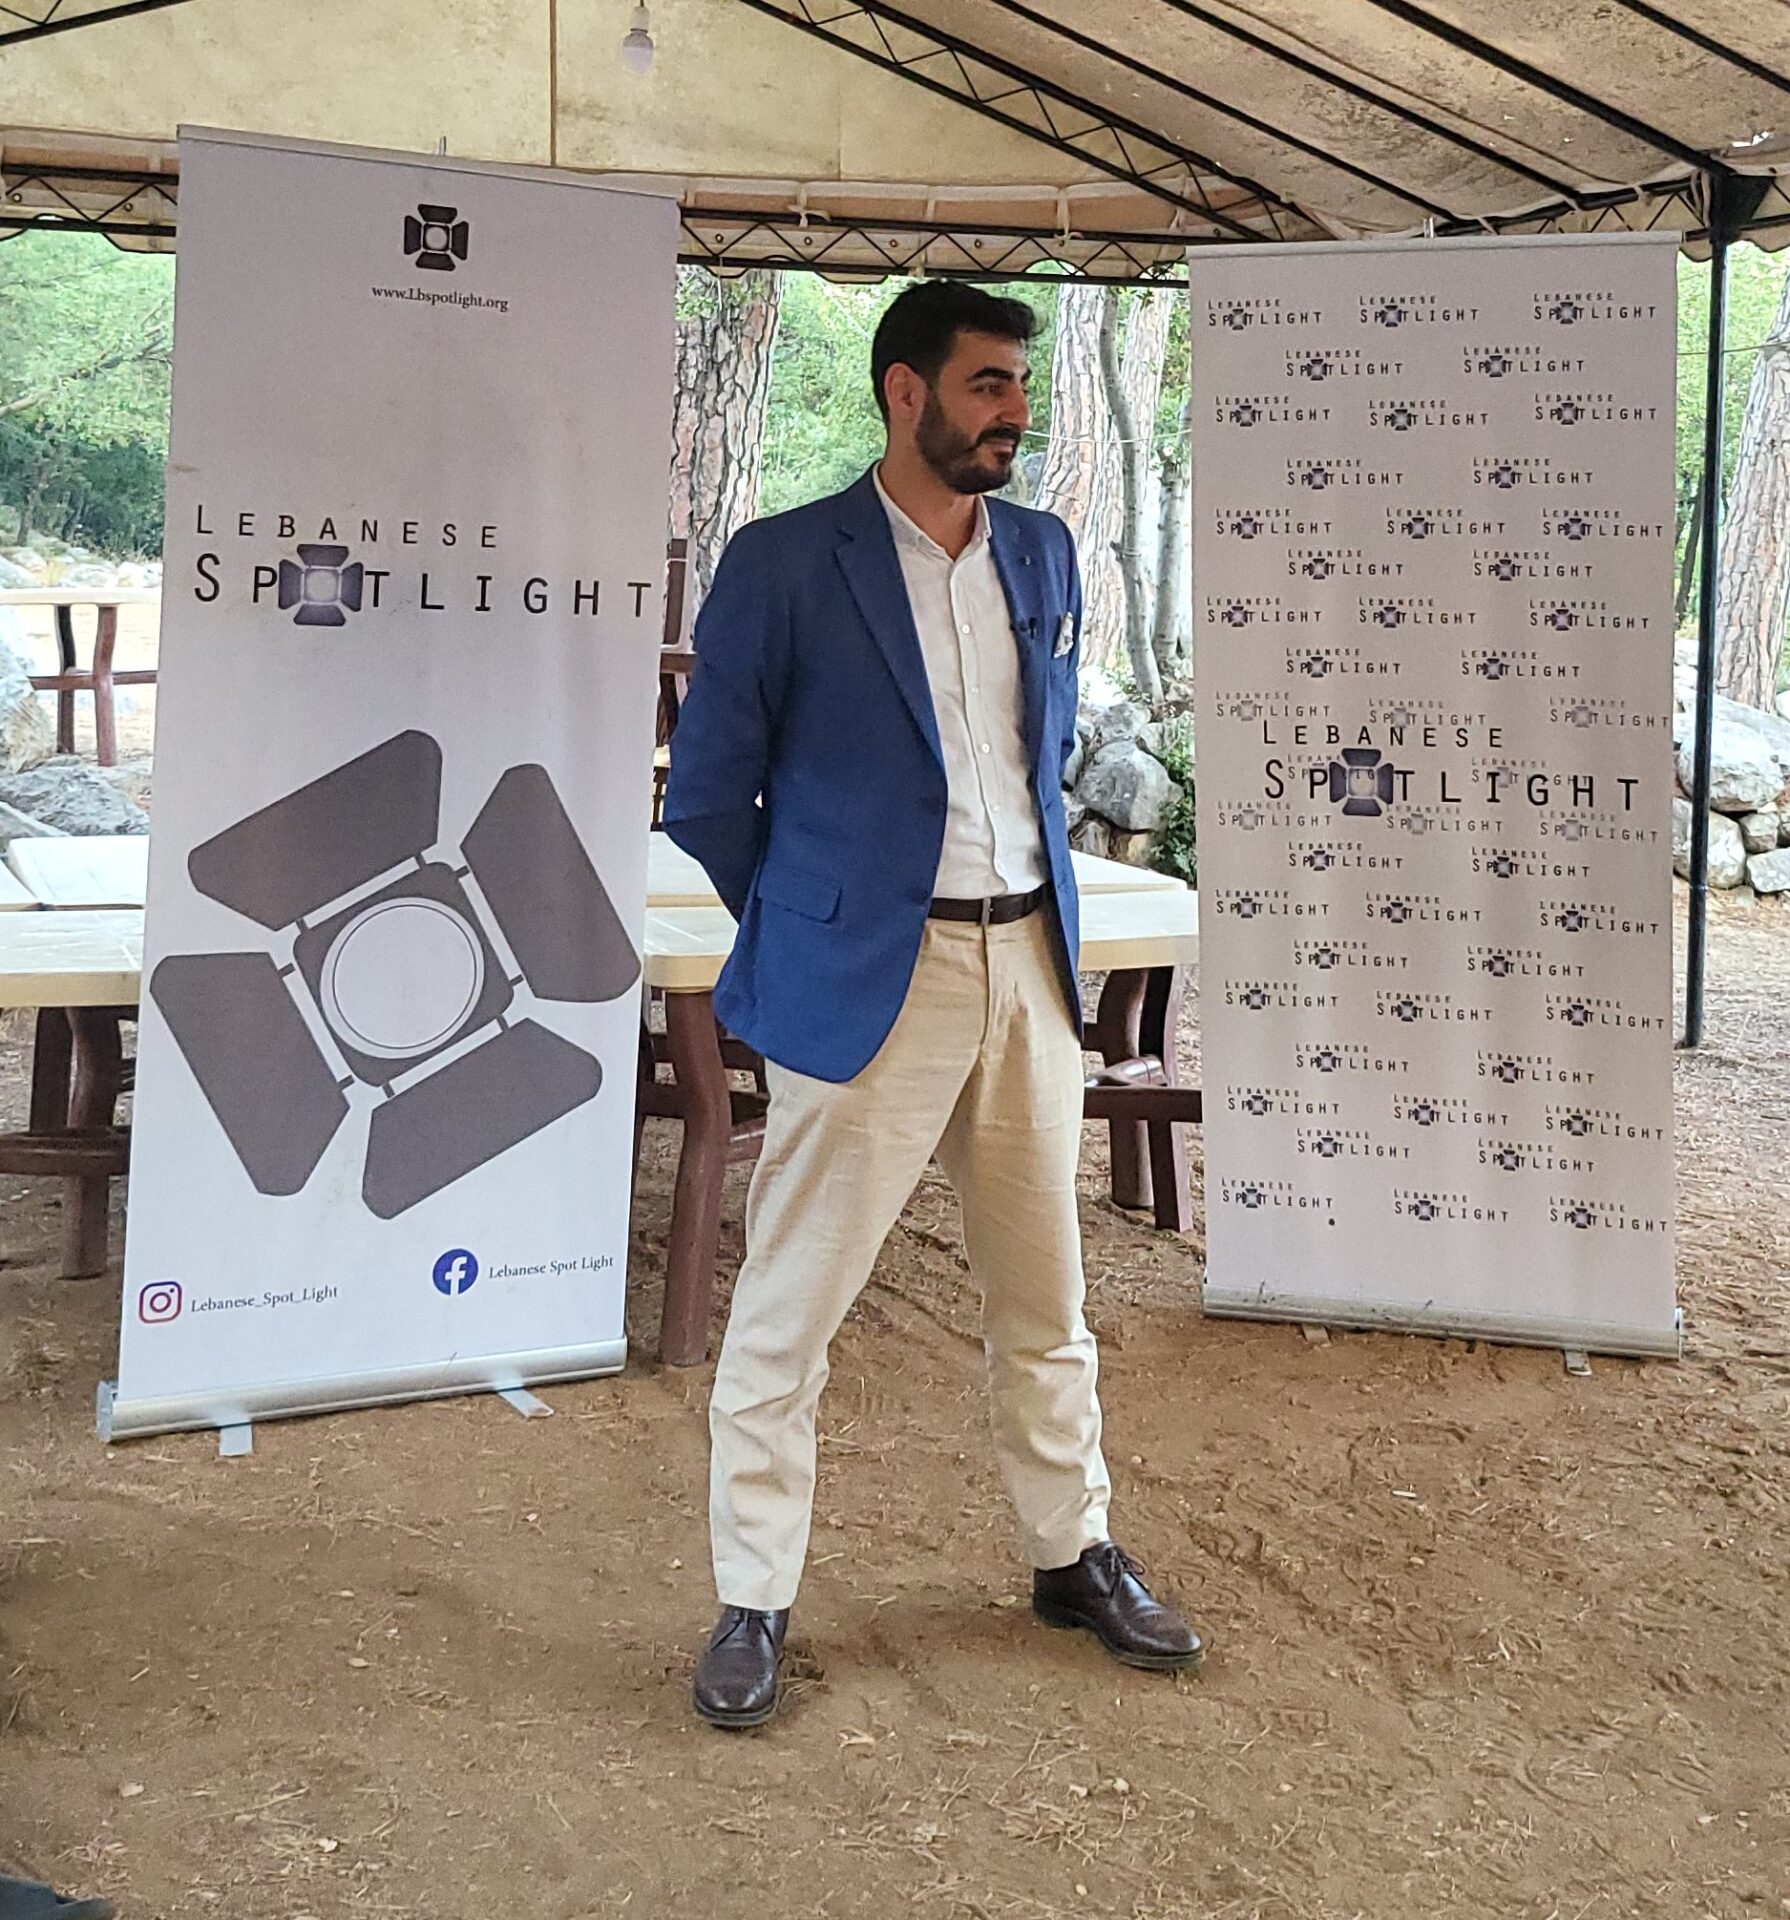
{"x": 1104, "y": 1592}
{"x": 736, "y": 1678}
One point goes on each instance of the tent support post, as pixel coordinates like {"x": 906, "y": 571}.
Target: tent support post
{"x": 1708, "y": 584}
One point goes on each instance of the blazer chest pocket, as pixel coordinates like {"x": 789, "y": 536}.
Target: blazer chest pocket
{"x": 809, "y": 894}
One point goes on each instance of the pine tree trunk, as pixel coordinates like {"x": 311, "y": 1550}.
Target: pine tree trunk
{"x": 1130, "y": 434}
{"x": 1171, "y": 632}
{"x": 1755, "y": 552}
{"x": 726, "y": 331}
{"x": 1077, "y": 470}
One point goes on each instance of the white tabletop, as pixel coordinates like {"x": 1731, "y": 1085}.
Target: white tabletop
{"x": 84, "y": 870}
{"x": 14, "y": 897}
{"x": 70, "y": 959}
{"x": 79, "y": 596}
{"x": 686, "y": 946}
{"x": 674, "y": 879}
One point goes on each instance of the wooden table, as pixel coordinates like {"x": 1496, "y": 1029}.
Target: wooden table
{"x": 1142, "y": 940}
{"x": 82, "y": 870}
{"x": 82, "y": 972}
{"x": 674, "y": 879}
{"x": 99, "y": 679}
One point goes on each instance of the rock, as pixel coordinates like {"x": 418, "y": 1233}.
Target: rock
{"x": 1770, "y": 872}
{"x": 1782, "y": 703}
{"x": 90, "y": 573}
{"x": 1078, "y": 758}
{"x": 1092, "y": 836}
{"x": 1743, "y": 771}
{"x": 13, "y": 575}
{"x": 27, "y": 734}
{"x": 1768, "y": 727}
{"x": 1127, "y": 786}
{"x": 1135, "y": 849}
{"x": 1074, "y": 813}
{"x": 1122, "y": 720}
{"x": 15, "y": 825}
{"x": 1727, "y": 851}
{"x": 68, "y": 794}
{"x": 1760, "y": 830}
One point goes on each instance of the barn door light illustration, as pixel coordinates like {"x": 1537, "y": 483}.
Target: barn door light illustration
{"x": 395, "y": 981}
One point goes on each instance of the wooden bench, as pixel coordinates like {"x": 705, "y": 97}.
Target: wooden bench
{"x": 100, "y": 678}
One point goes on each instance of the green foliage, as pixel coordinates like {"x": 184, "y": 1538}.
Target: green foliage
{"x": 1177, "y": 849}
{"x": 822, "y": 428}
{"x": 85, "y": 346}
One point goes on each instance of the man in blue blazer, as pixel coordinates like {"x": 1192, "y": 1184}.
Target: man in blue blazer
{"x": 869, "y": 766}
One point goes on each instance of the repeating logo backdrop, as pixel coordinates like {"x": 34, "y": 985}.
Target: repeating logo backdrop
{"x": 384, "y": 1118}
{"x": 1433, "y": 542}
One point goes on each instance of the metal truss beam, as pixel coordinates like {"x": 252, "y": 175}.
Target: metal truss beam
{"x": 1001, "y": 91}
{"x": 729, "y": 239}
{"x": 117, "y": 202}
{"x": 58, "y": 16}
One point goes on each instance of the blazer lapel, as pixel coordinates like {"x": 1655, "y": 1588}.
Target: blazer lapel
{"x": 1023, "y": 584}
{"x": 872, "y": 570}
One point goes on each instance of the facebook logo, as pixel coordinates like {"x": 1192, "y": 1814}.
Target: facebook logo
{"x": 455, "y": 1271}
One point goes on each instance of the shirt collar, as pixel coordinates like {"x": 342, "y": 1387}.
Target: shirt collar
{"x": 908, "y": 534}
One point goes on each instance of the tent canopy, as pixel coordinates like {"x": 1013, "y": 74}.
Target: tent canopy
{"x": 959, "y": 135}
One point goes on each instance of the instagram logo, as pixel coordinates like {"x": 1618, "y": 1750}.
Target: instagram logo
{"x": 159, "y": 1301}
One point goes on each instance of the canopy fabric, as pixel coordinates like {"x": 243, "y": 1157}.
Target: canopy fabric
{"x": 967, "y": 136}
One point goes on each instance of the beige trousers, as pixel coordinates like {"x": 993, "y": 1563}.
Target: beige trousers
{"x": 982, "y": 1069}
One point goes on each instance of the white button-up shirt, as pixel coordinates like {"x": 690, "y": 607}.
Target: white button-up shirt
{"x": 992, "y": 840}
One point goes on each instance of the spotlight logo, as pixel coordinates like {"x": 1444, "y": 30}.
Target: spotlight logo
{"x": 1361, "y": 783}
{"x": 322, "y": 585}
{"x": 455, "y": 1271}
{"x": 160, "y": 1302}
{"x": 435, "y": 238}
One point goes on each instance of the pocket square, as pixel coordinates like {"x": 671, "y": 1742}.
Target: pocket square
{"x": 1065, "y": 637}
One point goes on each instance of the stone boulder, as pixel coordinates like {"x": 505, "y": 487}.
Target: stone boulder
{"x": 1743, "y": 771}
{"x": 27, "y": 734}
{"x": 1760, "y": 830}
{"x": 1727, "y": 851}
{"x": 1127, "y": 786}
{"x": 13, "y": 575}
{"x": 1092, "y": 836}
{"x": 1770, "y": 872}
{"x": 1121, "y": 720}
{"x": 1768, "y": 727}
{"x": 1078, "y": 758}
{"x": 15, "y": 825}
{"x": 68, "y": 794}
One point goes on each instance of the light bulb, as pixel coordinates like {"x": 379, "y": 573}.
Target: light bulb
{"x": 637, "y": 47}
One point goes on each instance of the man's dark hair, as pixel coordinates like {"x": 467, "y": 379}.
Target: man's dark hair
{"x": 921, "y": 326}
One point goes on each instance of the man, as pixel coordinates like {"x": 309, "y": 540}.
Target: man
{"x": 869, "y": 766}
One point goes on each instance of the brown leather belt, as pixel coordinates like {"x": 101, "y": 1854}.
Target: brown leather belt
{"x": 990, "y": 913}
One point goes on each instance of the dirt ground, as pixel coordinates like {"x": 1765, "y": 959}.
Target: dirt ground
{"x": 1489, "y": 1640}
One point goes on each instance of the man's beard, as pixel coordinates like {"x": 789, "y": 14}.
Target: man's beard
{"x": 965, "y": 465}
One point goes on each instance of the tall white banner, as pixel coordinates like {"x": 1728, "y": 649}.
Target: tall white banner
{"x": 1433, "y": 499}
{"x": 415, "y": 554}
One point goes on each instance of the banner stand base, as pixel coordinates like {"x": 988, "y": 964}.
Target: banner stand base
{"x": 496, "y": 1373}
{"x": 1384, "y": 1316}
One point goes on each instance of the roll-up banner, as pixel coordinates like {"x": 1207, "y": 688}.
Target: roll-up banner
{"x": 1433, "y": 498}
{"x": 411, "y": 613}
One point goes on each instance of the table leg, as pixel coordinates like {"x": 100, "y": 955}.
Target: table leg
{"x": 98, "y": 1051}
{"x": 52, "y": 1052}
{"x": 1117, "y": 1033}
{"x": 65, "y": 699}
{"x": 105, "y": 714}
{"x": 1158, "y": 1028}
{"x": 694, "y": 1043}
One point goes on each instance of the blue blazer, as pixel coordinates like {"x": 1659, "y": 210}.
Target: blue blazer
{"x": 807, "y": 776}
